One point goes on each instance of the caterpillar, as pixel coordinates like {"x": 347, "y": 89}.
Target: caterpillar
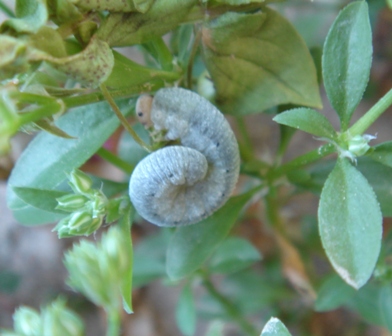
{"x": 181, "y": 185}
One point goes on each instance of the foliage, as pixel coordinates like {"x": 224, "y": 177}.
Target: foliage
{"x": 61, "y": 77}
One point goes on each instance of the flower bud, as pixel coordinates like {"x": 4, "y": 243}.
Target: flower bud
{"x": 71, "y": 202}
{"x": 80, "y": 221}
{"x": 60, "y": 321}
{"x": 27, "y": 322}
{"x": 80, "y": 182}
{"x": 358, "y": 145}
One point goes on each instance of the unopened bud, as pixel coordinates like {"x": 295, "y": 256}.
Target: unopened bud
{"x": 71, "y": 202}
{"x": 358, "y": 145}
{"x": 27, "y": 322}
{"x": 80, "y": 182}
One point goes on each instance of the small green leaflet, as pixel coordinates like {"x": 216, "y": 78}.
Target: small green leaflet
{"x": 307, "y": 120}
{"x": 275, "y": 327}
{"x": 350, "y": 224}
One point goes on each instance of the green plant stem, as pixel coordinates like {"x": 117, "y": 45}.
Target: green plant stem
{"x": 114, "y": 323}
{"x": 123, "y": 120}
{"x": 24, "y": 97}
{"x": 230, "y": 308}
{"x": 273, "y": 208}
{"x": 46, "y": 110}
{"x": 189, "y": 72}
{"x": 115, "y": 160}
{"x": 372, "y": 115}
{"x": 246, "y": 148}
{"x": 301, "y": 161}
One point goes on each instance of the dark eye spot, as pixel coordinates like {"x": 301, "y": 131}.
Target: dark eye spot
{"x": 176, "y": 222}
{"x": 152, "y": 195}
{"x": 217, "y": 144}
{"x": 170, "y": 175}
{"x": 227, "y": 170}
{"x": 140, "y": 114}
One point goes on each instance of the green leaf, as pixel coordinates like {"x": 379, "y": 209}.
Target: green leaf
{"x": 347, "y": 58}
{"x": 40, "y": 198}
{"x": 366, "y": 302}
{"x": 50, "y": 41}
{"x": 191, "y": 245}
{"x": 386, "y": 305}
{"x": 232, "y": 255}
{"x": 333, "y": 293}
{"x": 30, "y": 16}
{"x": 163, "y": 16}
{"x": 258, "y": 61}
{"x": 275, "y": 327}
{"x": 307, "y": 120}
{"x": 127, "y": 73}
{"x": 126, "y": 285}
{"x": 180, "y": 42}
{"x": 377, "y": 174}
{"x": 149, "y": 258}
{"x": 350, "y": 224}
{"x": 383, "y": 153}
{"x": 186, "y": 311}
{"x": 46, "y": 161}
{"x": 63, "y": 11}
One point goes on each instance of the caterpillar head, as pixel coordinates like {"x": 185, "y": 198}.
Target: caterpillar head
{"x": 143, "y": 110}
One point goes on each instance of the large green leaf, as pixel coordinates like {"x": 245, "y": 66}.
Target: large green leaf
{"x": 46, "y": 161}
{"x": 258, "y": 61}
{"x": 40, "y": 198}
{"x": 350, "y": 224}
{"x": 347, "y": 59}
{"x": 192, "y": 245}
{"x": 275, "y": 327}
{"x": 307, "y": 120}
{"x": 375, "y": 172}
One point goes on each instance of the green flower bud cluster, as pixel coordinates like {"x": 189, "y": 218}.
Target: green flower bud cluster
{"x": 88, "y": 207}
{"x": 97, "y": 271}
{"x": 358, "y": 145}
{"x": 53, "y": 320}
{"x": 355, "y": 146}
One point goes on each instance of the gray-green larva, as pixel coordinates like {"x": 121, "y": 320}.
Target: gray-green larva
{"x": 181, "y": 185}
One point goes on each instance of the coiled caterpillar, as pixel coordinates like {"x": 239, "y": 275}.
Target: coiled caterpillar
{"x": 180, "y": 185}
